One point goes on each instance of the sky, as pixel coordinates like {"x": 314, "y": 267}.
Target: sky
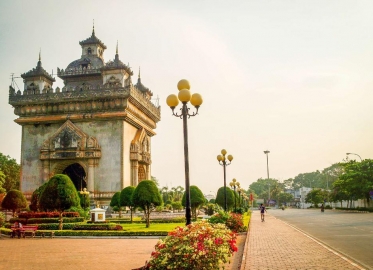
{"x": 291, "y": 77}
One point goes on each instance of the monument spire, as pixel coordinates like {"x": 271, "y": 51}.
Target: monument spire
{"x": 39, "y": 62}
{"x": 93, "y": 29}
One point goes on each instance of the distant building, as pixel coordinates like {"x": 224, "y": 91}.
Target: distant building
{"x": 97, "y": 129}
{"x": 208, "y": 197}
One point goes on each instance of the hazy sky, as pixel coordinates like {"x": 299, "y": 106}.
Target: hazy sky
{"x": 293, "y": 77}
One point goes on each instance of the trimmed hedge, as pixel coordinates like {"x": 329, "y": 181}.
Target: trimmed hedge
{"x": 46, "y": 220}
{"x": 125, "y": 221}
{"x": 22, "y": 220}
{"x": 88, "y": 233}
{"x": 108, "y": 233}
{"x": 28, "y": 215}
{"x": 98, "y": 227}
{"x": 54, "y": 220}
{"x": 365, "y": 209}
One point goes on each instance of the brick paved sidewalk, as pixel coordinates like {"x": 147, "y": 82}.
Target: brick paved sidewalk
{"x": 275, "y": 245}
{"x": 74, "y": 254}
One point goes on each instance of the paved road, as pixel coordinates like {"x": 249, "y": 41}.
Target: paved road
{"x": 346, "y": 232}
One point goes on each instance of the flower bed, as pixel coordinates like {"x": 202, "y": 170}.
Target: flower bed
{"x": 98, "y": 227}
{"x": 28, "y": 215}
{"x": 200, "y": 245}
{"x": 46, "y": 220}
{"x": 233, "y": 221}
{"x": 126, "y": 221}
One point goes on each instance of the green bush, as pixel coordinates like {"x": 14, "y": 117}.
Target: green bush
{"x": 98, "y": 227}
{"x": 2, "y": 219}
{"x": 22, "y": 220}
{"x": 233, "y": 221}
{"x": 54, "y": 220}
{"x": 54, "y": 226}
{"x": 88, "y": 233}
{"x": 172, "y": 220}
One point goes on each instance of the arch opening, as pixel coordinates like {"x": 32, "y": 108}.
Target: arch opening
{"x": 77, "y": 175}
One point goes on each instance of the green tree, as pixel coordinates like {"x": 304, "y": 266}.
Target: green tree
{"x": 59, "y": 195}
{"x": 2, "y": 182}
{"x": 147, "y": 196}
{"x": 196, "y": 200}
{"x": 262, "y": 186}
{"x": 35, "y": 206}
{"x": 220, "y": 198}
{"x": 177, "y": 205}
{"x": 11, "y": 170}
{"x": 14, "y": 200}
{"x": 315, "y": 196}
{"x": 115, "y": 202}
{"x": 285, "y": 198}
{"x": 126, "y": 199}
{"x": 356, "y": 179}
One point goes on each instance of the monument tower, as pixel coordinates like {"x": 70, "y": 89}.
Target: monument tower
{"x": 97, "y": 129}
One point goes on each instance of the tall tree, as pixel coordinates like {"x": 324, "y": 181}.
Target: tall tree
{"x": 315, "y": 196}
{"x": 356, "y": 179}
{"x": 14, "y": 200}
{"x": 11, "y": 170}
{"x": 2, "y": 182}
{"x": 126, "y": 198}
{"x": 196, "y": 200}
{"x": 147, "y": 196}
{"x": 59, "y": 195}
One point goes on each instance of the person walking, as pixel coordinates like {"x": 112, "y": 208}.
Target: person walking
{"x": 262, "y": 210}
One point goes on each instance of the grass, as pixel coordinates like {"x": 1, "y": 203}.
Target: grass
{"x": 153, "y": 227}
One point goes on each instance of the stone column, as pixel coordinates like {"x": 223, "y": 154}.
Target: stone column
{"x": 91, "y": 175}
{"x": 134, "y": 172}
{"x": 46, "y": 172}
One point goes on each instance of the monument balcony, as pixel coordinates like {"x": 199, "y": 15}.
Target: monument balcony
{"x": 77, "y": 72}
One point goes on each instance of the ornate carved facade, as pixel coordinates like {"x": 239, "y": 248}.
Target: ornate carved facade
{"x": 97, "y": 128}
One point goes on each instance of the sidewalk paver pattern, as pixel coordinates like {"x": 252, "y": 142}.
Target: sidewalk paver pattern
{"x": 74, "y": 254}
{"x": 274, "y": 245}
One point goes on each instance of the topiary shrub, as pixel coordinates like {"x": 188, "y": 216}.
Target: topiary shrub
{"x": 59, "y": 195}
{"x": 14, "y": 200}
{"x": 146, "y": 196}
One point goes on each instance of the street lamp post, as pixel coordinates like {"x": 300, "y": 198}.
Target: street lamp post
{"x": 84, "y": 192}
{"x": 223, "y": 162}
{"x": 235, "y": 184}
{"x": 172, "y": 101}
{"x": 355, "y": 155}
{"x": 266, "y": 152}
{"x": 239, "y": 195}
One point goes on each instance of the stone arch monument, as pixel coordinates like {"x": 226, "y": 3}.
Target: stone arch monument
{"x": 97, "y": 129}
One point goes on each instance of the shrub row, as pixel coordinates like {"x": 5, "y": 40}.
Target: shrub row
{"x": 46, "y": 220}
{"x": 28, "y": 215}
{"x": 48, "y": 226}
{"x": 88, "y": 233}
{"x": 125, "y": 221}
{"x": 369, "y": 209}
{"x": 98, "y": 227}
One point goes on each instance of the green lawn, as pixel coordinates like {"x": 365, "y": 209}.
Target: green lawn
{"x": 153, "y": 227}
